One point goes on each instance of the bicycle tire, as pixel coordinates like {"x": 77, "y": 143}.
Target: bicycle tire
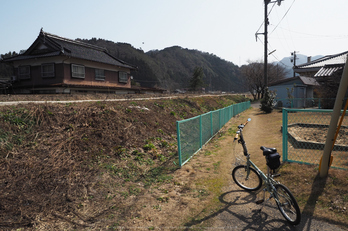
{"x": 287, "y": 204}
{"x": 252, "y": 183}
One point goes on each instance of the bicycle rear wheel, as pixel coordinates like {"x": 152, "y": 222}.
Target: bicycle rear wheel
{"x": 251, "y": 182}
{"x": 287, "y": 204}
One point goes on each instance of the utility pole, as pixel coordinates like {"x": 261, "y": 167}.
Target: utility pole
{"x": 293, "y": 60}
{"x": 266, "y": 43}
{"x": 324, "y": 165}
{"x": 266, "y": 22}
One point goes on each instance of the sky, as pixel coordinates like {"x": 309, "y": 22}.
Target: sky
{"x": 225, "y": 28}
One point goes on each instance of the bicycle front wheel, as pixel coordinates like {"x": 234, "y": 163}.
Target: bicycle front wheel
{"x": 251, "y": 182}
{"x": 287, "y": 204}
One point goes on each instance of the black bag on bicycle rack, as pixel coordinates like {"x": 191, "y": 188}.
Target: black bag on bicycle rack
{"x": 273, "y": 160}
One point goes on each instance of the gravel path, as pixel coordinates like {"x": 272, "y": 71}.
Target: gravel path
{"x": 242, "y": 213}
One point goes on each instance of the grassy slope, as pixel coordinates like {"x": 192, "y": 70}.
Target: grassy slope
{"x": 95, "y": 165}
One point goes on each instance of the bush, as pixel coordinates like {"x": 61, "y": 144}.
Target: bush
{"x": 267, "y": 102}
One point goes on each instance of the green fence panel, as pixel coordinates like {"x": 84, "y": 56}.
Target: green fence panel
{"x": 216, "y": 122}
{"x": 189, "y": 133}
{"x": 304, "y": 137}
{"x": 305, "y": 103}
{"x": 193, "y": 133}
{"x": 206, "y": 127}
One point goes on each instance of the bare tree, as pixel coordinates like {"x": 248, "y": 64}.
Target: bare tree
{"x": 253, "y": 76}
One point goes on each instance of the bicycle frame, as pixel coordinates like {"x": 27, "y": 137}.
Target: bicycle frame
{"x": 267, "y": 179}
{"x": 286, "y": 202}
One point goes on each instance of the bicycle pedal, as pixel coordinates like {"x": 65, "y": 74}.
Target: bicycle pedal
{"x": 260, "y": 201}
{"x": 276, "y": 175}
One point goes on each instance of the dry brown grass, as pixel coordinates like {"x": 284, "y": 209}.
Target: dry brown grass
{"x": 84, "y": 166}
{"x": 324, "y": 198}
{"x": 96, "y": 165}
{"x": 319, "y": 198}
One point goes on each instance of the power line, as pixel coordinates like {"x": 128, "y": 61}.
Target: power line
{"x": 264, "y": 20}
{"x": 283, "y": 16}
{"x": 343, "y": 36}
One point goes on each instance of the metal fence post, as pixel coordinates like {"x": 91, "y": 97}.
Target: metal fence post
{"x": 211, "y": 124}
{"x": 179, "y": 144}
{"x": 200, "y": 132}
{"x": 285, "y": 134}
{"x": 219, "y": 119}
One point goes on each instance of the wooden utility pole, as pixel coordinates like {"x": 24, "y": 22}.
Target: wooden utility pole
{"x": 265, "y": 71}
{"x": 324, "y": 166}
{"x": 266, "y": 22}
{"x": 294, "y": 60}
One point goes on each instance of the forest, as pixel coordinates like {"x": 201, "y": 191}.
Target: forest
{"x": 171, "y": 68}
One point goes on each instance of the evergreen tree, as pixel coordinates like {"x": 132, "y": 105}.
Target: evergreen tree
{"x": 267, "y": 101}
{"x": 197, "y": 79}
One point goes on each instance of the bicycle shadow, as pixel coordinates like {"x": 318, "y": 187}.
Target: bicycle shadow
{"x": 237, "y": 220}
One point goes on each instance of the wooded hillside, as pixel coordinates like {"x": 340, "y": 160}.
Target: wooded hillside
{"x": 172, "y": 68}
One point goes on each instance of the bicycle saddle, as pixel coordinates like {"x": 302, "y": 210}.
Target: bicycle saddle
{"x": 268, "y": 151}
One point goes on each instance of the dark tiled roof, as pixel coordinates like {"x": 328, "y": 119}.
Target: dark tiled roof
{"x": 71, "y": 48}
{"x": 23, "y": 56}
{"x": 305, "y": 80}
{"x": 309, "y": 81}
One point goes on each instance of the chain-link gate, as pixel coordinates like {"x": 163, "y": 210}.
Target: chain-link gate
{"x": 304, "y": 136}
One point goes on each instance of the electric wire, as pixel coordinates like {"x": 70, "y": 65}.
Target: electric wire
{"x": 283, "y": 16}
{"x": 275, "y": 57}
{"x": 264, "y": 20}
{"x": 317, "y": 35}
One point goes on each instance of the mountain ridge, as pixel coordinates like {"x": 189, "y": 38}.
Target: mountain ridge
{"x": 287, "y": 63}
{"x": 172, "y": 67}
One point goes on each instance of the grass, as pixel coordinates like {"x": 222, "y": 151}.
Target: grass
{"x": 132, "y": 176}
{"x": 321, "y": 198}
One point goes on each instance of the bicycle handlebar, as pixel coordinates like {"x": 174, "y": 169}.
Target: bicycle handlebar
{"x": 246, "y": 122}
{"x": 236, "y": 137}
{"x": 240, "y": 127}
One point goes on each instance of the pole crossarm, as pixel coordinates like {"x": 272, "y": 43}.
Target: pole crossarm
{"x": 266, "y": 22}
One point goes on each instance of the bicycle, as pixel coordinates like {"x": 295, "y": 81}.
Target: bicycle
{"x": 249, "y": 177}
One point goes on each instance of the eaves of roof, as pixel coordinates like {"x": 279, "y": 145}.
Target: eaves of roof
{"x": 328, "y": 70}
{"x": 282, "y": 81}
{"x": 23, "y": 57}
{"x": 309, "y": 81}
{"x": 305, "y": 80}
{"x": 340, "y": 58}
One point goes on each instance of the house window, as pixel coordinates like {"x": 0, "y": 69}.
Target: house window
{"x": 47, "y": 70}
{"x": 24, "y": 72}
{"x": 99, "y": 74}
{"x": 122, "y": 77}
{"x": 77, "y": 71}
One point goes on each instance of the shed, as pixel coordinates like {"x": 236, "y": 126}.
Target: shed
{"x": 300, "y": 88}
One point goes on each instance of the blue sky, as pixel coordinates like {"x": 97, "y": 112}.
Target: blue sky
{"x": 225, "y": 28}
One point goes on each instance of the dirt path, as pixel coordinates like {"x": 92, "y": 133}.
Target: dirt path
{"x": 239, "y": 211}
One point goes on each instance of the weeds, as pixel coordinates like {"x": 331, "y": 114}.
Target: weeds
{"x": 85, "y": 156}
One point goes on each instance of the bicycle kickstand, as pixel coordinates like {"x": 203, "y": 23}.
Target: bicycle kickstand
{"x": 262, "y": 200}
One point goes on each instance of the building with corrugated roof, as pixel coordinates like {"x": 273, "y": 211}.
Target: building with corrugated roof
{"x": 328, "y": 72}
{"x": 326, "y": 66}
{"x": 301, "y": 88}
